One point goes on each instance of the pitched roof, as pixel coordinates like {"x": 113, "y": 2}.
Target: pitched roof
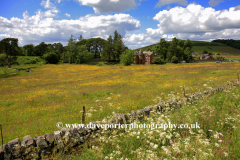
{"x": 138, "y": 52}
{"x": 143, "y": 52}
{"x": 148, "y": 52}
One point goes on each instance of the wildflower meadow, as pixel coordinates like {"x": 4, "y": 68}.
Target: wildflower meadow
{"x": 32, "y": 104}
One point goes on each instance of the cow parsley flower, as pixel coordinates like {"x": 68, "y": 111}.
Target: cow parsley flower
{"x": 225, "y": 154}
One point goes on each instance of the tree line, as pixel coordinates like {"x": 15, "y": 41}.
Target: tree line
{"x": 174, "y": 51}
{"x": 77, "y": 51}
{"x": 83, "y": 50}
{"x": 229, "y": 42}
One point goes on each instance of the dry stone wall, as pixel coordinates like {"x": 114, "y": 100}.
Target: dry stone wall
{"x": 42, "y": 147}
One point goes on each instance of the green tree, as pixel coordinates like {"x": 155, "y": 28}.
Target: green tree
{"x": 108, "y": 49}
{"x": 188, "y": 44}
{"x": 82, "y": 42}
{"x": 205, "y": 52}
{"x": 164, "y": 46}
{"x": 3, "y": 59}
{"x": 180, "y": 43}
{"x": 29, "y": 49}
{"x": 174, "y": 59}
{"x": 188, "y": 55}
{"x": 179, "y": 53}
{"x": 10, "y": 46}
{"x": 161, "y": 49}
{"x": 118, "y": 48}
{"x": 51, "y": 58}
{"x": 95, "y": 45}
{"x": 89, "y": 44}
{"x": 65, "y": 57}
{"x": 118, "y": 45}
{"x": 40, "y": 49}
{"x": 100, "y": 45}
{"x": 173, "y": 48}
{"x": 72, "y": 50}
{"x": 80, "y": 38}
{"x": 83, "y": 55}
{"x": 158, "y": 60}
{"x": 127, "y": 57}
{"x": 50, "y": 48}
{"x": 58, "y": 48}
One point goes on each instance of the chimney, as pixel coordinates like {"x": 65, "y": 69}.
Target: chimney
{"x": 149, "y": 50}
{"x": 137, "y": 50}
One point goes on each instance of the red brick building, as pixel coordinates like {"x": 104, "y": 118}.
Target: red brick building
{"x": 206, "y": 57}
{"x": 143, "y": 57}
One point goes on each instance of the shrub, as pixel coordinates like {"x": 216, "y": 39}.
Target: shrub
{"x": 174, "y": 59}
{"x": 127, "y": 57}
{"x": 83, "y": 57}
{"x": 158, "y": 60}
{"x": 51, "y": 58}
{"x": 65, "y": 57}
{"x": 3, "y": 60}
{"x": 29, "y": 60}
{"x": 205, "y": 52}
{"x": 33, "y": 61}
{"x": 219, "y": 58}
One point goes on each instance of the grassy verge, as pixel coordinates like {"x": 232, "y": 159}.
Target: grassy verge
{"x": 26, "y": 63}
{"x": 217, "y": 138}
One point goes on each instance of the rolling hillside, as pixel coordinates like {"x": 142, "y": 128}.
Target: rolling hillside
{"x": 211, "y": 47}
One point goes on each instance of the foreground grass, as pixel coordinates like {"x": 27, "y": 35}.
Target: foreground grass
{"x": 32, "y": 104}
{"x": 217, "y": 137}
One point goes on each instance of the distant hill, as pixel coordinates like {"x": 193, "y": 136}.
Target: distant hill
{"x": 230, "y": 42}
{"x": 211, "y": 47}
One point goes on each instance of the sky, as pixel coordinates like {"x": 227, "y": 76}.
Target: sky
{"x": 140, "y": 22}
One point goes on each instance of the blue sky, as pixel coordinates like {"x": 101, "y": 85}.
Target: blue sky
{"x": 140, "y": 22}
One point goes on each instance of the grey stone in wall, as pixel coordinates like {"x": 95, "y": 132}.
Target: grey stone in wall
{"x": 41, "y": 142}
{"x": 28, "y": 144}
{"x": 49, "y": 137}
{"x": 14, "y": 148}
{"x": 119, "y": 118}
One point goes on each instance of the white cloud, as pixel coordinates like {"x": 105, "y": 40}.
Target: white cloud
{"x": 195, "y": 18}
{"x": 47, "y": 4}
{"x": 5, "y": 35}
{"x": 214, "y": 2}
{"x": 193, "y": 22}
{"x": 50, "y": 13}
{"x": 167, "y": 2}
{"x": 237, "y": 8}
{"x": 68, "y": 15}
{"x": 39, "y": 28}
{"x": 106, "y": 6}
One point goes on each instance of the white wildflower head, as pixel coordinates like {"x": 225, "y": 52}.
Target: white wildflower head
{"x": 225, "y": 154}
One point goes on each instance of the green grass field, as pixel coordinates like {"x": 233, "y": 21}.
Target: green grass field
{"x": 33, "y": 103}
{"x": 217, "y": 138}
